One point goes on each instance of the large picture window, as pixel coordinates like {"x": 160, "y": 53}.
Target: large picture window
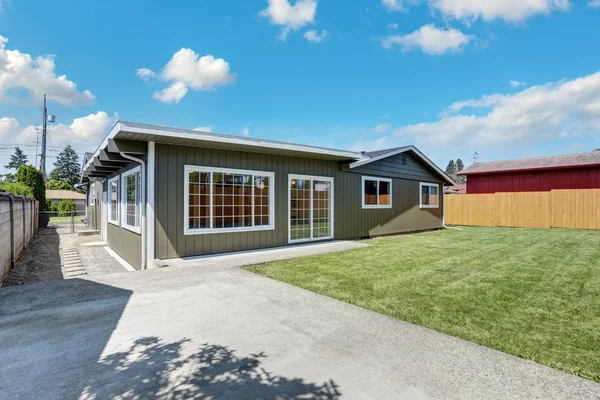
{"x": 131, "y": 192}
{"x": 227, "y": 200}
{"x": 376, "y": 192}
{"x": 429, "y": 195}
{"x": 113, "y": 190}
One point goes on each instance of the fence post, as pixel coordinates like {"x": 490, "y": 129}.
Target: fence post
{"x": 24, "y": 231}
{"x": 12, "y": 233}
{"x": 72, "y": 223}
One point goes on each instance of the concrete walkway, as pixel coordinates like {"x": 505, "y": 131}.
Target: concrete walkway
{"x": 222, "y": 332}
{"x": 253, "y": 257}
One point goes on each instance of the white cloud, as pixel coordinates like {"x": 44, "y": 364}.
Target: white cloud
{"x": 145, "y": 73}
{"x": 246, "y": 130}
{"x": 393, "y": 26}
{"x": 430, "y": 40}
{"x": 594, "y": 4}
{"x": 488, "y": 10}
{"x": 314, "y": 36}
{"x": 36, "y": 75}
{"x": 290, "y": 17}
{"x": 187, "y": 70}
{"x": 517, "y": 84}
{"x": 83, "y": 134}
{"x": 204, "y": 128}
{"x": 393, "y": 5}
{"x": 381, "y": 128}
{"x": 509, "y": 122}
{"x": 170, "y": 94}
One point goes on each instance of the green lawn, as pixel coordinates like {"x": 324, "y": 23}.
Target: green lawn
{"x": 61, "y": 220}
{"x": 534, "y": 293}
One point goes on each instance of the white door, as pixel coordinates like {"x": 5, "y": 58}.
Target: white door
{"x": 310, "y": 208}
{"x": 104, "y": 213}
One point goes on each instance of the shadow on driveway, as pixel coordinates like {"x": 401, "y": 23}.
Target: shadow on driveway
{"x": 153, "y": 369}
{"x": 52, "y": 334}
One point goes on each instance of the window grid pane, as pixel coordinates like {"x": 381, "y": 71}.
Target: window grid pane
{"x": 238, "y": 200}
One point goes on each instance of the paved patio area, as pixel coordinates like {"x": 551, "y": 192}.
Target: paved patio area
{"x": 197, "y": 331}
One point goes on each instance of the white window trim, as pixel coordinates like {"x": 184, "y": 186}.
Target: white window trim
{"x": 110, "y": 182}
{"x": 204, "y": 231}
{"x": 362, "y": 194}
{"x": 124, "y": 224}
{"x": 289, "y": 222}
{"x": 421, "y": 194}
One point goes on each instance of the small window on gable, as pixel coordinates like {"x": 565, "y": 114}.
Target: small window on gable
{"x": 429, "y": 196}
{"x": 376, "y": 192}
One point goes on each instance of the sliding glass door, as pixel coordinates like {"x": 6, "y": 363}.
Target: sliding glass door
{"x": 310, "y": 208}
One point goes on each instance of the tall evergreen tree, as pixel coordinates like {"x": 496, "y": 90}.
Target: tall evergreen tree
{"x": 459, "y": 165}
{"x": 17, "y": 159}
{"x": 67, "y": 167}
{"x": 451, "y": 168}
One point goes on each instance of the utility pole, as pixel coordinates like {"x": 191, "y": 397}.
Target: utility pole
{"x": 44, "y": 131}
{"x": 475, "y": 156}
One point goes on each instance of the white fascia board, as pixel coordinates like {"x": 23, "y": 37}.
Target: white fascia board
{"x": 115, "y": 129}
{"x": 399, "y": 151}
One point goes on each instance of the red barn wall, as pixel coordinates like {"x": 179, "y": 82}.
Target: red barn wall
{"x": 535, "y": 181}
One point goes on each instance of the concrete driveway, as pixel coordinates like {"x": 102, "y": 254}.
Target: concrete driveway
{"x": 222, "y": 332}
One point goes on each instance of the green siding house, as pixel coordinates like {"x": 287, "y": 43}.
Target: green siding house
{"x": 157, "y": 193}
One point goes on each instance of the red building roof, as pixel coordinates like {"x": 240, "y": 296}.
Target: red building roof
{"x": 577, "y": 160}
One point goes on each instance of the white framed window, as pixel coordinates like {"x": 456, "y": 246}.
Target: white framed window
{"x": 113, "y": 202}
{"x": 131, "y": 200}
{"x": 228, "y": 200}
{"x": 429, "y": 195}
{"x": 376, "y": 192}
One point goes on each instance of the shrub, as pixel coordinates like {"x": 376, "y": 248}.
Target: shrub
{"x": 33, "y": 178}
{"x": 65, "y": 207}
{"x": 17, "y": 189}
{"x": 54, "y": 184}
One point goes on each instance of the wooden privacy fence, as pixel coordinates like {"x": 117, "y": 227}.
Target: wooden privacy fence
{"x": 576, "y": 208}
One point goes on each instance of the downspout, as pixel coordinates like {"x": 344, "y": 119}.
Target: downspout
{"x": 142, "y": 205}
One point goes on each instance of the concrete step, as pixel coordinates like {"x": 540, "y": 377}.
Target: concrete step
{"x": 89, "y": 232}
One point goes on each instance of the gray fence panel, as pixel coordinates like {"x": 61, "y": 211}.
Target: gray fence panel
{"x": 16, "y": 229}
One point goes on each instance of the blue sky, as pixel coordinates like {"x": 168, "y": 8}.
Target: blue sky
{"x": 505, "y": 78}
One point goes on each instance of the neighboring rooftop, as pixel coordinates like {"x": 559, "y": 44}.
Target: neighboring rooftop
{"x": 382, "y": 152}
{"x": 458, "y": 189}
{"x": 545, "y": 162}
{"x": 64, "y": 194}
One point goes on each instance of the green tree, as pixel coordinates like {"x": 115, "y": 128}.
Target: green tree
{"x": 17, "y": 159}
{"x": 17, "y": 189}
{"x": 66, "y": 207}
{"x": 67, "y": 167}
{"x": 460, "y": 179}
{"x": 7, "y": 178}
{"x": 54, "y": 184}
{"x": 35, "y": 180}
{"x": 451, "y": 168}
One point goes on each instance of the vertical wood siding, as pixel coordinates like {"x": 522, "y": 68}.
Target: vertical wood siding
{"x": 350, "y": 220}
{"x": 125, "y": 243}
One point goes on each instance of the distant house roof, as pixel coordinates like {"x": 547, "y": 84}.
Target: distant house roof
{"x": 458, "y": 189}
{"x": 64, "y": 194}
{"x": 534, "y": 163}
